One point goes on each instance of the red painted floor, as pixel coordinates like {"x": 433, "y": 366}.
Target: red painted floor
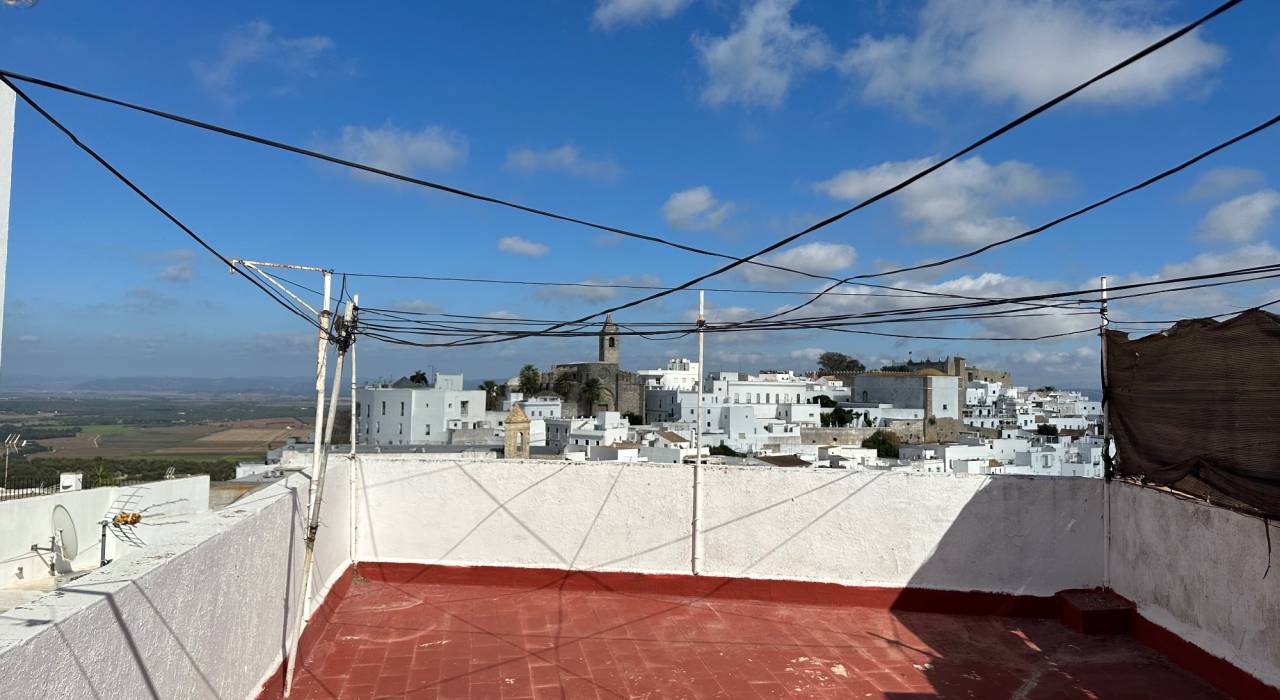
{"x": 459, "y": 633}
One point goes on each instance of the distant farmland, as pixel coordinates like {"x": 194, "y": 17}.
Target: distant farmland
{"x": 245, "y": 438}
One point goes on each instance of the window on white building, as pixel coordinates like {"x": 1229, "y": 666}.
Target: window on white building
{"x": 467, "y": 404}
{"x": 402, "y": 409}
{"x": 384, "y": 408}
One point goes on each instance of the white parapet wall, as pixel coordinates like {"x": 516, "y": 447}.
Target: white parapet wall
{"x": 27, "y": 521}
{"x": 205, "y": 610}
{"x": 1023, "y": 535}
{"x": 1200, "y": 571}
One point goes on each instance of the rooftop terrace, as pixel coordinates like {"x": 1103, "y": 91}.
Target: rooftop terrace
{"x": 501, "y": 578}
{"x": 432, "y": 632}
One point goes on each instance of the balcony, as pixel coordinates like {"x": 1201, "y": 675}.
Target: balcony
{"x": 503, "y": 579}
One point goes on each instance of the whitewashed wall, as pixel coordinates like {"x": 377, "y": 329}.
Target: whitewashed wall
{"x": 1197, "y": 570}
{"x": 560, "y": 515}
{"x": 1003, "y": 534}
{"x": 203, "y": 612}
{"x": 27, "y": 521}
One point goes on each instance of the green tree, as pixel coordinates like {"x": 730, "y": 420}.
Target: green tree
{"x": 564, "y": 385}
{"x": 724, "y": 450}
{"x": 530, "y": 380}
{"x": 885, "y": 443}
{"x": 824, "y": 401}
{"x": 829, "y": 362}
{"x": 592, "y": 390}
{"x": 419, "y": 377}
{"x": 490, "y": 388}
{"x": 1046, "y": 429}
{"x": 895, "y": 368}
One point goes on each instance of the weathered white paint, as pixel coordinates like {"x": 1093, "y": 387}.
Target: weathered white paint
{"x": 333, "y": 540}
{"x": 26, "y": 521}
{"x": 1197, "y": 570}
{"x": 1004, "y": 534}
{"x": 203, "y": 612}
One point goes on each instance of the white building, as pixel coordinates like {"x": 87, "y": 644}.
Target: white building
{"x": 544, "y": 405}
{"x": 680, "y": 375}
{"x": 407, "y": 413}
{"x": 607, "y": 428}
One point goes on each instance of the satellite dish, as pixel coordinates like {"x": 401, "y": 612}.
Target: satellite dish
{"x": 64, "y": 528}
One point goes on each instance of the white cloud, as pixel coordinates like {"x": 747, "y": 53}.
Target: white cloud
{"x": 520, "y": 246}
{"x": 402, "y": 151}
{"x": 817, "y": 258}
{"x": 1241, "y": 219}
{"x": 567, "y": 159}
{"x": 587, "y": 292}
{"x": 764, "y": 54}
{"x": 1223, "y": 181}
{"x": 958, "y": 203}
{"x": 611, "y": 14}
{"x": 1203, "y": 301}
{"x": 28, "y": 339}
{"x": 695, "y": 209}
{"x": 257, "y": 42}
{"x": 1027, "y": 51}
{"x": 417, "y": 306}
{"x": 1078, "y": 366}
{"x": 988, "y": 285}
{"x": 807, "y": 354}
{"x": 179, "y": 268}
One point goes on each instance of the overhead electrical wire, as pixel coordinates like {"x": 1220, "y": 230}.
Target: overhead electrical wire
{"x": 311, "y": 153}
{"x": 832, "y": 322}
{"x": 735, "y": 262}
{"x": 433, "y": 185}
{"x": 1054, "y": 222}
{"x": 907, "y": 182}
{"x": 151, "y": 201}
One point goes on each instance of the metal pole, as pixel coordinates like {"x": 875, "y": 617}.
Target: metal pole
{"x": 317, "y": 454}
{"x": 355, "y": 305}
{"x": 322, "y": 356}
{"x": 697, "y": 443}
{"x": 1106, "y": 446}
{"x": 351, "y": 473}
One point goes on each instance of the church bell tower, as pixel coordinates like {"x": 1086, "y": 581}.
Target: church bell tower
{"x": 609, "y": 341}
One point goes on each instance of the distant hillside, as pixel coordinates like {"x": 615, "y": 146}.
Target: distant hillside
{"x": 174, "y": 386}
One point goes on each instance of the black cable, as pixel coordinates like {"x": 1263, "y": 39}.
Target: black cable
{"x": 1015, "y": 123}
{"x": 1055, "y": 222}
{"x": 825, "y": 322}
{"x": 226, "y": 131}
{"x": 146, "y": 197}
{"x": 409, "y": 179}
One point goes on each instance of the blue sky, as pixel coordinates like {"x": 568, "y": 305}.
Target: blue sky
{"x": 722, "y": 124}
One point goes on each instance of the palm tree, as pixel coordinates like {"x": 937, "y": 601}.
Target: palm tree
{"x": 564, "y": 385}
{"x": 418, "y": 377}
{"x": 530, "y": 380}
{"x": 591, "y": 392}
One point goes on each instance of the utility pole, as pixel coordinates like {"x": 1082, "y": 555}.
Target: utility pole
{"x": 696, "y": 544}
{"x": 322, "y": 428}
{"x": 355, "y": 310}
{"x": 8, "y": 99}
{"x": 1106, "y": 443}
{"x": 322, "y": 357}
